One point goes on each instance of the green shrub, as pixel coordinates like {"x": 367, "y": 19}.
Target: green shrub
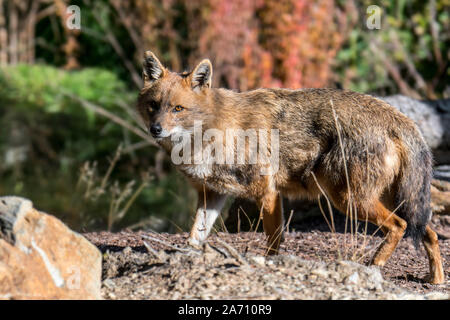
{"x": 46, "y": 137}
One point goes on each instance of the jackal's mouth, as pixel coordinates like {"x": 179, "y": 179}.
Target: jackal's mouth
{"x": 163, "y": 134}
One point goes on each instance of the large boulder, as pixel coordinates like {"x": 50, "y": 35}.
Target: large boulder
{"x": 433, "y": 119}
{"x": 41, "y": 258}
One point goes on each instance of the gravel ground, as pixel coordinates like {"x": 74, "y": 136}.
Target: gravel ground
{"x": 313, "y": 264}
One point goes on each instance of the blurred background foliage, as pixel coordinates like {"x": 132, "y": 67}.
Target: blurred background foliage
{"x": 70, "y": 139}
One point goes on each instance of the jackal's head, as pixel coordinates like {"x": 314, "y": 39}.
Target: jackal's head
{"x": 170, "y": 102}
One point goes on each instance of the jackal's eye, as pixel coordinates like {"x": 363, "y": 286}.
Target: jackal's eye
{"x": 178, "y": 108}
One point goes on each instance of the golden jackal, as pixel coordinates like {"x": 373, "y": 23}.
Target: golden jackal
{"x": 357, "y": 149}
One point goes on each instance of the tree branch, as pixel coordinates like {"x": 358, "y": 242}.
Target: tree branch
{"x": 105, "y": 113}
{"x": 119, "y": 50}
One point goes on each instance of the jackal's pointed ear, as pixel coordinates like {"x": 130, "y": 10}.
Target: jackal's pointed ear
{"x": 202, "y": 75}
{"x": 152, "y": 68}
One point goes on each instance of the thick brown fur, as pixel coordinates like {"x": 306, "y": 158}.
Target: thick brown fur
{"x": 387, "y": 160}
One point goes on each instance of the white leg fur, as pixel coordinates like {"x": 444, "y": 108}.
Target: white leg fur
{"x": 204, "y": 219}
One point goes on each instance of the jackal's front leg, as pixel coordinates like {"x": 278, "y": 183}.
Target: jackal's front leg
{"x": 272, "y": 209}
{"x": 208, "y": 209}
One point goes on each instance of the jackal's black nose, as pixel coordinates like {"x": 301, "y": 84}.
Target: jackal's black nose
{"x": 155, "y": 129}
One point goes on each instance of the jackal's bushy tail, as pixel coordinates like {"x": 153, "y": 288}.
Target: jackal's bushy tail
{"x": 412, "y": 198}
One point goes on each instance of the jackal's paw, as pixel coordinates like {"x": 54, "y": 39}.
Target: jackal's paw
{"x": 378, "y": 262}
{"x": 196, "y": 244}
{"x": 271, "y": 251}
{"x": 436, "y": 279}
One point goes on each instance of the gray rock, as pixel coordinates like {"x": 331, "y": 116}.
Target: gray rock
{"x": 41, "y": 258}
{"x": 433, "y": 119}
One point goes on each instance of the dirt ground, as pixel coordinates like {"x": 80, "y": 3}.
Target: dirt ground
{"x": 147, "y": 265}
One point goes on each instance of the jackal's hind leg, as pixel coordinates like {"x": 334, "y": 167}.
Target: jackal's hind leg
{"x": 392, "y": 226}
{"x": 430, "y": 241}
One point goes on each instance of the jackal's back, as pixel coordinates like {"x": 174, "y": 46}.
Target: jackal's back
{"x": 343, "y": 137}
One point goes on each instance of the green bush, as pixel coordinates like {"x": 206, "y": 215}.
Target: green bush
{"x": 36, "y": 96}
{"x": 405, "y": 41}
